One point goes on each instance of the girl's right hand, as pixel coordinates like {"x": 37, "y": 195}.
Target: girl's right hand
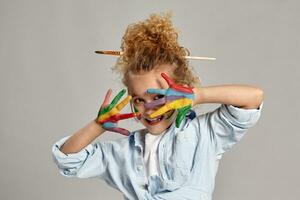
{"x": 108, "y": 115}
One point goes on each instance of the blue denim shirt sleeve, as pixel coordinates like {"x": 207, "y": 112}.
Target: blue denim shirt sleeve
{"x": 228, "y": 124}
{"x": 89, "y": 162}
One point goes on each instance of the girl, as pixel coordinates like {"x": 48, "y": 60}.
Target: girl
{"x": 176, "y": 155}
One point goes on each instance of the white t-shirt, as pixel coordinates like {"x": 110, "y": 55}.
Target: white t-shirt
{"x": 150, "y": 154}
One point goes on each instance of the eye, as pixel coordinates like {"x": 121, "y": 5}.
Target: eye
{"x": 159, "y": 96}
{"x": 138, "y": 101}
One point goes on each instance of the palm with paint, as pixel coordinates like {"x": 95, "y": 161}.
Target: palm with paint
{"x": 176, "y": 97}
{"x": 108, "y": 115}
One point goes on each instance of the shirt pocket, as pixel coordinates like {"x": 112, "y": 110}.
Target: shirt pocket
{"x": 184, "y": 151}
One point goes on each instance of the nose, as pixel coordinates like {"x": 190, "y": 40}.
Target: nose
{"x": 154, "y": 103}
{"x": 153, "y": 106}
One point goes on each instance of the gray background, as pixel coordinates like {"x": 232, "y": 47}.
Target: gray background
{"x": 52, "y": 84}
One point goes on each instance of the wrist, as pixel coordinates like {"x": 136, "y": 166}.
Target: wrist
{"x": 199, "y": 95}
{"x": 97, "y": 122}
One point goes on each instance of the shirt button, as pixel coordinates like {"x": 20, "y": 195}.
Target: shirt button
{"x": 139, "y": 167}
{"x": 143, "y": 187}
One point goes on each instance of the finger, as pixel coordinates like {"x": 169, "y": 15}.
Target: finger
{"x": 172, "y": 92}
{"x": 161, "y": 111}
{"x": 169, "y": 81}
{"x": 106, "y": 99}
{"x": 182, "y": 88}
{"x": 118, "y": 117}
{"x": 115, "y": 100}
{"x": 161, "y": 101}
{"x": 105, "y": 103}
{"x": 109, "y": 125}
{"x": 175, "y": 86}
{"x": 126, "y": 116}
{"x": 172, "y": 105}
{"x": 181, "y": 103}
{"x": 113, "y": 128}
{"x": 181, "y": 115}
{"x": 123, "y": 103}
{"x": 157, "y": 91}
{"x": 172, "y": 98}
{"x": 120, "y": 130}
{"x": 106, "y": 115}
{"x": 108, "y": 119}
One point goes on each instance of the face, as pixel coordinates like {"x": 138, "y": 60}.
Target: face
{"x": 137, "y": 87}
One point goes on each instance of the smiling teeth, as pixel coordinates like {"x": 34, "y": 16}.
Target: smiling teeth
{"x": 155, "y": 119}
{"x": 152, "y": 119}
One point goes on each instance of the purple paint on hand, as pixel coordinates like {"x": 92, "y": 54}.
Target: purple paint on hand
{"x": 161, "y": 101}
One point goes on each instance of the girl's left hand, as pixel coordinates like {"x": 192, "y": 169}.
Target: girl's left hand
{"x": 176, "y": 97}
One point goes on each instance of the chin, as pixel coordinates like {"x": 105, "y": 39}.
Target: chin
{"x": 159, "y": 124}
{"x": 159, "y": 127}
{"x": 156, "y": 131}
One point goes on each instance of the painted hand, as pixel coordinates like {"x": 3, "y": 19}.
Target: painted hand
{"x": 175, "y": 97}
{"x": 108, "y": 115}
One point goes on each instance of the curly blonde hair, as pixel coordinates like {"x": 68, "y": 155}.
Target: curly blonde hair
{"x": 153, "y": 42}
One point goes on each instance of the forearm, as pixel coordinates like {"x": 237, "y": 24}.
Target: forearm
{"x": 82, "y": 138}
{"x": 242, "y": 96}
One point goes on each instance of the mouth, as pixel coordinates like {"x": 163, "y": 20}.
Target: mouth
{"x": 157, "y": 120}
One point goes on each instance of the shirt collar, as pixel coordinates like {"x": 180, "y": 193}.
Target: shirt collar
{"x": 137, "y": 138}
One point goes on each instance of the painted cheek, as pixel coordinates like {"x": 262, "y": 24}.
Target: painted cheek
{"x": 170, "y": 114}
{"x": 135, "y": 109}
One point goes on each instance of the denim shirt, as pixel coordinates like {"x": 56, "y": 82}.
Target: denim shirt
{"x": 188, "y": 156}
